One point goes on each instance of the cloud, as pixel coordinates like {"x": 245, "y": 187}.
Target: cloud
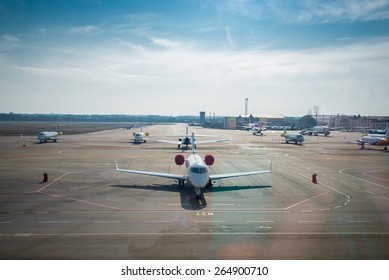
{"x": 83, "y": 29}
{"x": 8, "y": 42}
{"x": 164, "y": 42}
{"x": 307, "y": 11}
{"x": 229, "y": 38}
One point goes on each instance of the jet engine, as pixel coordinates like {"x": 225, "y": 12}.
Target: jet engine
{"x": 179, "y": 159}
{"x": 209, "y": 159}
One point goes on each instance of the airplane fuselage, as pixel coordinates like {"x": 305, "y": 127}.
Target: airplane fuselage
{"x": 47, "y": 135}
{"x": 198, "y": 172}
{"x": 138, "y": 138}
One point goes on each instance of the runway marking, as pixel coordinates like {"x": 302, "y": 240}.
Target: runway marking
{"x": 43, "y": 212}
{"x": 105, "y": 222}
{"x": 190, "y": 233}
{"x": 338, "y": 206}
{"x": 260, "y": 222}
{"x": 325, "y": 209}
{"x": 23, "y": 234}
{"x": 359, "y": 221}
{"x": 367, "y": 181}
{"x": 49, "y": 184}
{"x": 312, "y": 221}
{"x": 370, "y": 192}
{"x": 355, "y": 187}
{"x": 305, "y": 211}
{"x": 211, "y": 221}
{"x": 54, "y": 222}
{"x": 305, "y": 200}
{"x": 16, "y": 213}
{"x": 157, "y": 221}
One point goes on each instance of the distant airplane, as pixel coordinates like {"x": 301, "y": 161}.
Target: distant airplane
{"x": 139, "y": 137}
{"x": 45, "y": 136}
{"x": 197, "y": 171}
{"x": 320, "y": 129}
{"x": 185, "y": 140}
{"x": 374, "y": 140}
{"x": 257, "y": 130}
{"x": 293, "y": 137}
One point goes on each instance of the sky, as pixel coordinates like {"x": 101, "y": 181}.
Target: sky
{"x": 180, "y": 57}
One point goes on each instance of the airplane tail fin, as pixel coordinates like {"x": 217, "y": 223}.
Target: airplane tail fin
{"x": 193, "y": 143}
{"x": 387, "y": 130}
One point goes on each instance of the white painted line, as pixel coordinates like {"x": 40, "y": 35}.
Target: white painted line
{"x": 41, "y": 212}
{"x": 355, "y": 187}
{"x": 105, "y": 222}
{"x": 305, "y": 211}
{"x": 211, "y": 221}
{"x": 325, "y": 209}
{"x": 16, "y": 213}
{"x": 338, "y": 206}
{"x": 157, "y": 221}
{"x": 260, "y": 222}
{"x": 23, "y": 234}
{"x": 359, "y": 221}
{"x": 370, "y": 192}
{"x": 370, "y": 182}
{"x": 312, "y": 221}
{"x": 54, "y": 222}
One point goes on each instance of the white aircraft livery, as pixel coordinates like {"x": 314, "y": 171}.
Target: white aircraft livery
{"x": 45, "y": 136}
{"x": 186, "y": 140}
{"x": 376, "y": 140}
{"x": 293, "y": 137}
{"x": 197, "y": 171}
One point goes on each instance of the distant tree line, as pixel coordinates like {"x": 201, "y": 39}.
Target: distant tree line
{"x": 97, "y": 118}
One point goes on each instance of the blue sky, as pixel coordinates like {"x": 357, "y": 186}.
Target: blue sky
{"x": 180, "y": 57}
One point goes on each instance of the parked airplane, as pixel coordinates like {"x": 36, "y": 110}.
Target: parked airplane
{"x": 185, "y": 140}
{"x": 320, "y": 129}
{"x": 293, "y": 137}
{"x": 376, "y": 140}
{"x": 197, "y": 171}
{"x": 45, "y": 136}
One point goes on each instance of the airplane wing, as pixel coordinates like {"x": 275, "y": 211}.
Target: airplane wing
{"x": 163, "y": 175}
{"x": 238, "y": 174}
{"x": 231, "y": 175}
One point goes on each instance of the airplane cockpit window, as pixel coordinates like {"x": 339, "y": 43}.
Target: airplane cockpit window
{"x": 198, "y": 170}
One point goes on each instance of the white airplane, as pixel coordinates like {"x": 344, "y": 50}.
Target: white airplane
{"x": 139, "y": 136}
{"x": 45, "y": 136}
{"x": 374, "y": 140}
{"x": 197, "y": 171}
{"x": 257, "y": 130}
{"x": 320, "y": 129}
{"x": 293, "y": 137}
{"x": 186, "y": 140}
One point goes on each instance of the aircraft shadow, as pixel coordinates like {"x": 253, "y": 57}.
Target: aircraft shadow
{"x": 188, "y": 197}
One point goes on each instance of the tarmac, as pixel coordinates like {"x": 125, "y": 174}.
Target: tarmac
{"x": 88, "y": 210}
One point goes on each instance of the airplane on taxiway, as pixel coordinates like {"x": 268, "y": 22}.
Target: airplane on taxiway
{"x": 185, "y": 140}
{"x": 197, "y": 171}
{"x": 319, "y": 129}
{"x": 45, "y": 136}
{"x": 293, "y": 137}
{"x": 374, "y": 140}
{"x": 139, "y": 137}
